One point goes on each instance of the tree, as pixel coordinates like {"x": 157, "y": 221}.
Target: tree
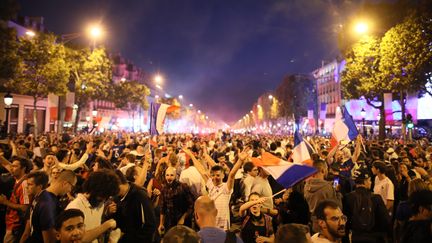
{"x": 9, "y": 60}
{"x": 362, "y": 76}
{"x": 404, "y": 51}
{"x": 8, "y": 9}
{"x": 91, "y": 73}
{"x": 43, "y": 69}
{"x": 294, "y": 94}
{"x": 131, "y": 95}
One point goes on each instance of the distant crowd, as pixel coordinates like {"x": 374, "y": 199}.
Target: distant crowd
{"x": 130, "y": 187}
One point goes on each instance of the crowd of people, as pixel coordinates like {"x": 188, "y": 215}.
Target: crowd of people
{"x": 130, "y": 187}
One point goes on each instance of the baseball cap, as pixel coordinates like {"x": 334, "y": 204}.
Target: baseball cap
{"x": 360, "y": 175}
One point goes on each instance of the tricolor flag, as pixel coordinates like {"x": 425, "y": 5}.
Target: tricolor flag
{"x": 300, "y": 153}
{"x": 344, "y": 128}
{"x": 157, "y": 116}
{"x": 285, "y": 173}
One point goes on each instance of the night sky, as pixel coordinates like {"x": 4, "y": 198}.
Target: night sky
{"x": 220, "y": 54}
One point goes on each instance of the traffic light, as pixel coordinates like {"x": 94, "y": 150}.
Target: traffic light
{"x": 409, "y": 121}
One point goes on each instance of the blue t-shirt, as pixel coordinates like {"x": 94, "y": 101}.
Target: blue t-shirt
{"x": 44, "y": 212}
{"x": 214, "y": 235}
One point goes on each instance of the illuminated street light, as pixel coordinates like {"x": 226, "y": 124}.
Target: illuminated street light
{"x": 190, "y": 105}
{"x": 158, "y": 79}
{"x": 363, "y": 113}
{"x": 361, "y": 28}
{"x": 181, "y": 97}
{"x": 199, "y": 111}
{"x": 30, "y": 33}
{"x": 8, "y": 100}
{"x": 251, "y": 112}
{"x": 123, "y": 79}
{"x": 95, "y": 32}
{"x": 270, "y": 97}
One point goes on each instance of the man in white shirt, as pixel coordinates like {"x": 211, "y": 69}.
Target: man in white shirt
{"x": 218, "y": 191}
{"x": 96, "y": 190}
{"x": 383, "y": 185}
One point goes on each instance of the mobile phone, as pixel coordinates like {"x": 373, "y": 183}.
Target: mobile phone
{"x": 335, "y": 182}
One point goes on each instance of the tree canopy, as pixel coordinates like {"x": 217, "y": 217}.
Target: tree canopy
{"x": 42, "y": 69}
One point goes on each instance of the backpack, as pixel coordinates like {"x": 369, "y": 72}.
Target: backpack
{"x": 363, "y": 215}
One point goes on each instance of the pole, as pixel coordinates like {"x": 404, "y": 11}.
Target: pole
{"x": 7, "y": 120}
{"x": 281, "y": 191}
{"x": 364, "y": 129}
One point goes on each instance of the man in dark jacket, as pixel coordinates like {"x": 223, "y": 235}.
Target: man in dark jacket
{"x": 368, "y": 218}
{"x": 134, "y": 215}
{"x": 419, "y": 226}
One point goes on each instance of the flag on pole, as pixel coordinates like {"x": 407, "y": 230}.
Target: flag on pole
{"x": 285, "y": 173}
{"x": 157, "y": 116}
{"x": 344, "y": 128}
{"x": 300, "y": 153}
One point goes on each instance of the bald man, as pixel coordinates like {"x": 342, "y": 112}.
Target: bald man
{"x": 205, "y": 217}
{"x": 176, "y": 202}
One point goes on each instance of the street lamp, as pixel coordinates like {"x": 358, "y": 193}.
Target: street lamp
{"x": 270, "y": 97}
{"x": 191, "y": 105}
{"x": 158, "y": 79}
{"x": 8, "y": 100}
{"x": 95, "y": 32}
{"x": 363, "y": 114}
{"x": 30, "y": 33}
{"x": 181, "y": 97}
{"x": 361, "y": 28}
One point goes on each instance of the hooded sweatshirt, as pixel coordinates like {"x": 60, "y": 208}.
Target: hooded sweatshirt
{"x": 317, "y": 190}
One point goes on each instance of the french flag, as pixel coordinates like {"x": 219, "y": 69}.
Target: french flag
{"x": 285, "y": 173}
{"x": 300, "y": 153}
{"x": 157, "y": 116}
{"x": 344, "y": 128}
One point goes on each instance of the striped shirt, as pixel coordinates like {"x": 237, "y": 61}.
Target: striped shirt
{"x": 221, "y": 196}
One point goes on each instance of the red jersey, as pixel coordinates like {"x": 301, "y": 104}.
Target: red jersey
{"x": 19, "y": 196}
